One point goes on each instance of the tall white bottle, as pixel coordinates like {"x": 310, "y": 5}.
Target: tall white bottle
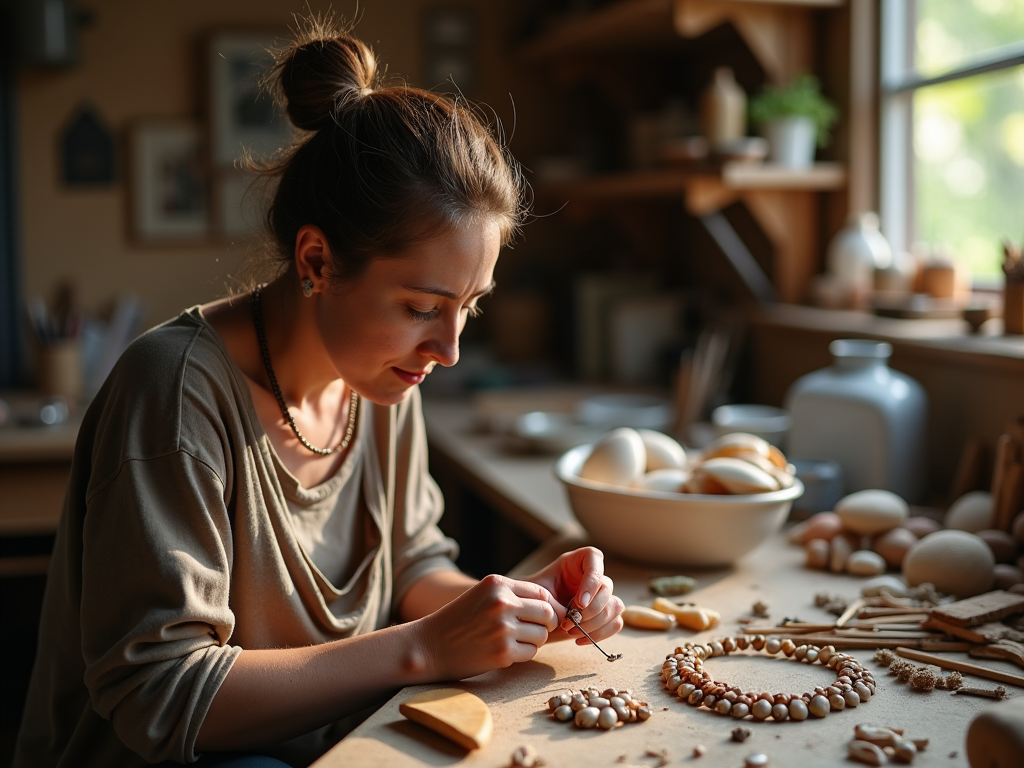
{"x": 865, "y": 416}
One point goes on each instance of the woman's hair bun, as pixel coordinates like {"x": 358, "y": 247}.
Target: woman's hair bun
{"x": 320, "y": 72}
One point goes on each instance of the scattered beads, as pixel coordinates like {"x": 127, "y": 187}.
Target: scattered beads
{"x": 591, "y": 708}
{"x": 683, "y": 674}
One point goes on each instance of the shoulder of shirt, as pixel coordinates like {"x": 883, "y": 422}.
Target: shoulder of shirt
{"x": 165, "y": 391}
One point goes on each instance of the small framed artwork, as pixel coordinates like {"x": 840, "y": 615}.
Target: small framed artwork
{"x": 244, "y": 120}
{"x": 169, "y": 184}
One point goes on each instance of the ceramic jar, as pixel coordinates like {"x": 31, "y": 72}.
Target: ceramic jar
{"x": 868, "y": 418}
{"x": 723, "y": 110}
{"x": 854, "y": 254}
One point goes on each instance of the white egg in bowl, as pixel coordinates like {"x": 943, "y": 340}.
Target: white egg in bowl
{"x": 666, "y": 528}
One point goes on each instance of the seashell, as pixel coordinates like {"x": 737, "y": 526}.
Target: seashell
{"x": 954, "y": 561}
{"x": 663, "y": 452}
{"x": 866, "y": 752}
{"x": 1006, "y": 576}
{"x": 971, "y": 512}
{"x": 817, "y": 551}
{"x": 921, "y": 526}
{"x": 839, "y": 553}
{"x": 667, "y": 480}
{"x": 1002, "y": 544}
{"x": 734, "y": 443}
{"x": 823, "y": 525}
{"x": 617, "y": 458}
{"x": 642, "y": 617}
{"x": 864, "y": 562}
{"x": 738, "y": 476}
{"x": 995, "y": 738}
{"x": 893, "y": 545}
{"x": 701, "y": 483}
{"x": 892, "y": 584}
{"x": 872, "y": 511}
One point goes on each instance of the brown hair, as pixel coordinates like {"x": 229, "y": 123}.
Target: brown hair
{"x": 378, "y": 168}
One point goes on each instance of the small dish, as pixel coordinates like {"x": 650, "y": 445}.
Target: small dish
{"x": 625, "y": 410}
{"x": 549, "y": 432}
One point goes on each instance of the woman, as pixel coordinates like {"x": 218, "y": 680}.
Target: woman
{"x": 249, "y": 507}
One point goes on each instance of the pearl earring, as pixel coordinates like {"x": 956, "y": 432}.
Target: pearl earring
{"x": 307, "y": 287}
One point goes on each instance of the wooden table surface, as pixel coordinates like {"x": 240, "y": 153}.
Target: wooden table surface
{"x": 773, "y": 573}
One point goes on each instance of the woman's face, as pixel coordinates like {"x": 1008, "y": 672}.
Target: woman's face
{"x": 387, "y": 329}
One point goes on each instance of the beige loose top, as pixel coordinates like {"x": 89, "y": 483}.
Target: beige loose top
{"x": 184, "y": 540}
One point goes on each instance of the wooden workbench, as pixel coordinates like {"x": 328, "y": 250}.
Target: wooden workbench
{"x": 773, "y": 573}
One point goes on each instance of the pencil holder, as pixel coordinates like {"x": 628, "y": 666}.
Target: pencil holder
{"x": 1013, "y": 308}
{"x": 59, "y": 369}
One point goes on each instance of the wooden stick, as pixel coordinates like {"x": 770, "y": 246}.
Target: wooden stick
{"x": 863, "y": 642}
{"x": 796, "y": 628}
{"x": 961, "y": 666}
{"x": 889, "y": 634}
{"x": 851, "y": 610}
{"x": 969, "y": 469}
{"x": 874, "y": 613}
{"x": 909, "y": 619}
{"x": 1005, "y": 478}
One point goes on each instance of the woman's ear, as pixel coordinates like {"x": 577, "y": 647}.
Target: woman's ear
{"x": 312, "y": 256}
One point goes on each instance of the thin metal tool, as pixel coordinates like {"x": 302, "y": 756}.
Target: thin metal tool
{"x": 574, "y": 615}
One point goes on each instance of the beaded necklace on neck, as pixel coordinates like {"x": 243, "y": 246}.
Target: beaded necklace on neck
{"x": 353, "y": 403}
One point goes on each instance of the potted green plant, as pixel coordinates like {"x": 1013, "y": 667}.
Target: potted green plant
{"x": 795, "y": 118}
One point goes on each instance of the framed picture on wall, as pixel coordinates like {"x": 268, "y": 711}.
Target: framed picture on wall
{"x": 169, "y": 183}
{"x": 243, "y": 116}
{"x": 244, "y": 122}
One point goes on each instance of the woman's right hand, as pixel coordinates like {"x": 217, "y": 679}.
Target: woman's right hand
{"x": 495, "y": 623}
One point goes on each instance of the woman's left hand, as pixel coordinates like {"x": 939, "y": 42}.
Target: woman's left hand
{"x": 576, "y": 579}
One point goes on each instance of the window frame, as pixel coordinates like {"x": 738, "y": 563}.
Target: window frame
{"x": 898, "y": 82}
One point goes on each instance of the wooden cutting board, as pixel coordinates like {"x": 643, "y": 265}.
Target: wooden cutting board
{"x": 456, "y": 715}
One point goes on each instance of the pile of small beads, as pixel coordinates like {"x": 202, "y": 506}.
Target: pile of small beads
{"x": 590, "y": 708}
{"x": 922, "y": 678}
{"x": 683, "y": 674}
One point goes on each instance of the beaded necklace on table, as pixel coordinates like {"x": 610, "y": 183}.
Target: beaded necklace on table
{"x": 684, "y": 675}
{"x": 353, "y": 404}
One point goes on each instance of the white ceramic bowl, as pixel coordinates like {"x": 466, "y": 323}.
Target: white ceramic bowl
{"x": 671, "y": 528}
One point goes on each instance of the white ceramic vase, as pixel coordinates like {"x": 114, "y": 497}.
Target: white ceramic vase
{"x": 863, "y": 415}
{"x": 792, "y": 141}
{"x": 854, "y": 254}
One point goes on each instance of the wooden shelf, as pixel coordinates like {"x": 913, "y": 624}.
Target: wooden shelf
{"x": 665, "y": 182}
{"x": 768, "y": 26}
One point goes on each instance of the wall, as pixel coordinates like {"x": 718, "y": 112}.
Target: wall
{"x": 145, "y": 59}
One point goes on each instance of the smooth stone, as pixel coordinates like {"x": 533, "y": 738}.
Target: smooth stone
{"x": 1002, "y": 544}
{"x": 587, "y": 717}
{"x": 607, "y": 718}
{"x": 872, "y": 511}
{"x": 864, "y": 562}
{"x": 956, "y": 562}
{"x": 995, "y": 737}
{"x": 893, "y": 546}
{"x": 971, "y": 512}
{"x": 893, "y": 584}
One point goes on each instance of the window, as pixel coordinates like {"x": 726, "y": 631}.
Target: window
{"x": 952, "y": 134}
